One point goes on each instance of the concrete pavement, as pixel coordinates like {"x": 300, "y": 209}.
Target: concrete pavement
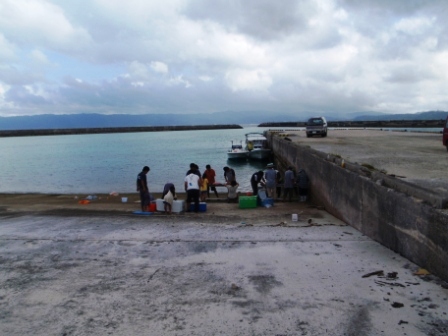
{"x": 188, "y": 275}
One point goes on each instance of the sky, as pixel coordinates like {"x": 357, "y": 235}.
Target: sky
{"x": 203, "y": 56}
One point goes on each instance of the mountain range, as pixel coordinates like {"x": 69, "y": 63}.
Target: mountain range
{"x": 67, "y": 121}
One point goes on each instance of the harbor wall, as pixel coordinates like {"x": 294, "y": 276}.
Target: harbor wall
{"x": 70, "y": 131}
{"x": 407, "y": 219}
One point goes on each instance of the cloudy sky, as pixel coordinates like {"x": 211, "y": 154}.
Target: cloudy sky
{"x": 202, "y": 56}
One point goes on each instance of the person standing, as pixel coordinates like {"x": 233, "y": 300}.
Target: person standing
{"x": 270, "y": 176}
{"x": 192, "y": 185}
{"x": 229, "y": 175}
{"x": 142, "y": 187}
{"x": 255, "y": 180}
{"x": 194, "y": 168}
{"x": 288, "y": 184}
{"x": 204, "y": 187}
{"x": 210, "y": 173}
{"x": 279, "y": 183}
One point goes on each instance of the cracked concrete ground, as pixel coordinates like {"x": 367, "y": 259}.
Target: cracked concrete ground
{"x": 225, "y": 272}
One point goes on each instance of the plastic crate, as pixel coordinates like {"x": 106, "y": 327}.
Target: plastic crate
{"x": 247, "y": 202}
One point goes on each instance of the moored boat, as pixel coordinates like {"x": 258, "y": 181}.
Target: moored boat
{"x": 237, "y": 152}
{"x": 257, "y": 146}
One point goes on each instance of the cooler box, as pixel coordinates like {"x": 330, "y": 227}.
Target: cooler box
{"x": 159, "y": 203}
{"x": 202, "y": 207}
{"x": 178, "y": 206}
{"x": 247, "y": 202}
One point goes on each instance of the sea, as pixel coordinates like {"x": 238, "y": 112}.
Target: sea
{"x": 107, "y": 163}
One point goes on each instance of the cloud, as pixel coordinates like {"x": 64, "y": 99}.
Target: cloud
{"x": 202, "y": 56}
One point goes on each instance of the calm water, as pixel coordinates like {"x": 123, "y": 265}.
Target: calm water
{"x": 102, "y": 163}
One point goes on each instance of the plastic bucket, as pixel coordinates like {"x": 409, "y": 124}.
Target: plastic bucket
{"x": 124, "y": 199}
{"x": 295, "y": 217}
{"x": 152, "y": 207}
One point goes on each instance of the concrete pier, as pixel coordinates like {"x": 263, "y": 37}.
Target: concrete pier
{"x": 391, "y": 186}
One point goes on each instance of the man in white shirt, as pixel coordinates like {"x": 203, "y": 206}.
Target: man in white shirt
{"x": 192, "y": 184}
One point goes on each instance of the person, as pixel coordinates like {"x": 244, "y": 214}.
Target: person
{"x": 168, "y": 200}
{"x": 303, "y": 183}
{"x": 270, "y": 176}
{"x": 256, "y": 179}
{"x": 210, "y": 173}
{"x": 229, "y": 175}
{"x": 169, "y": 187}
{"x": 232, "y": 196}
{"x": 279, "y": 182}
{"x": 142, "y": 187}
{"x": 288, "y": 184}
{"x": 192, "y": 184}
{"x": 168, "y": 196}
{"x": 194, "y": 168}
{"x": 204, "y": 187}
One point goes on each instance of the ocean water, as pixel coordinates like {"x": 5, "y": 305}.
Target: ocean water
{"x": 103, "y": 163}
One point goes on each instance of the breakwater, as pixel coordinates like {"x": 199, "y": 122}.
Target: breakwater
{"x": 408, "y": 219}
{"x": 367, "y": 124}
{"x": 68, "y": 131}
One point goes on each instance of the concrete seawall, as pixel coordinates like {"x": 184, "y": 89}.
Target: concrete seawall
{"x": 67, "y": 131}
{"x": 406, "y": 218}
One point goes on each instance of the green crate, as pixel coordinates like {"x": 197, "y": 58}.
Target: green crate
{"x": 247, "y": 202}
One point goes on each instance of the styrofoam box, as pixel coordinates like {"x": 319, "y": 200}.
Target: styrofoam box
{"x": 159, "y": 203}
{"x": 178, "y": 206}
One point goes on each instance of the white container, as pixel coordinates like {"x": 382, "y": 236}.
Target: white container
{"x": 124, "y": 200}
{"x": 178, "y": 206}
{"x": 295, "y": 217}
{"x": 159, "y": 205}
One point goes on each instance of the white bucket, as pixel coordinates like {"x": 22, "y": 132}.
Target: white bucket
{"x": 124, "y": 199}
{"x": 295, "y": 217}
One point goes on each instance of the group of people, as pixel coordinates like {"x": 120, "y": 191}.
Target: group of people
{"x": 272, "y": 180}
{"x": 198, "y": 186}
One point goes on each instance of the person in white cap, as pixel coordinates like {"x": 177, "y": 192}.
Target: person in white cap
{"x": 270, "y": 176}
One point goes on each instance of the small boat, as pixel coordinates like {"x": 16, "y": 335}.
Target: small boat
{"x": 257, "y": 146}
{"x": 237, "y": 152}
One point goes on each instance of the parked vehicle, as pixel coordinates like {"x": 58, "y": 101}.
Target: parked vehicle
{"x": 316, "y": 126}
{"x": 445, "y": 134}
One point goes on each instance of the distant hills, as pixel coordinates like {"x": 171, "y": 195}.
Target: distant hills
{"x": 67, "y": 121}
{"x": 430, "y": 115}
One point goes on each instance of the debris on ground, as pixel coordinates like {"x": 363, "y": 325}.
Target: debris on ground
{"x": 280, "y": 224}
{"x": 422, "y": 271}
{"x": 384, "y": 283}
{"x": 381, "y": 273}
{"x": 397, "y": 305}
{"x": 392, "y": 275}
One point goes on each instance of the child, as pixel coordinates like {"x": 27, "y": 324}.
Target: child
{"x": 204, "y": 187}
{"x": 232, "y": 196}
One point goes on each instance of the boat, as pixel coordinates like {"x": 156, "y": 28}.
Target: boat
{"x": 237, "y": 152}
{"x": 257, "y": 146}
